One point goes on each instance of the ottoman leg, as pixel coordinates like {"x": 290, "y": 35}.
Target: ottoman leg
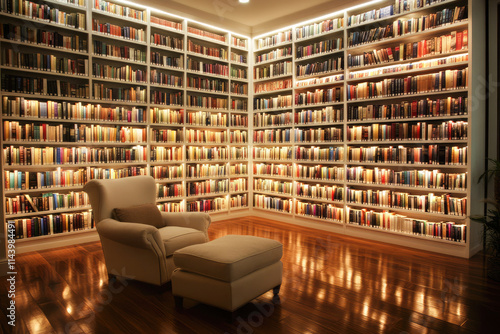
{"x": 276, "y": 290}
{"x": 178, "y": 302}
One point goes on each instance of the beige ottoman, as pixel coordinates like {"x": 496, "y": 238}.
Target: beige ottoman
{"x": 227, "y": 272}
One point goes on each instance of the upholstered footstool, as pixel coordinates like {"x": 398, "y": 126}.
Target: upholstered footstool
{"x": 227, "y": 272}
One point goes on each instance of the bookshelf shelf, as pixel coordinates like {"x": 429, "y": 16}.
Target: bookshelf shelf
{"x": 48, "y": 238}
{"x": 43, "y": 47}
{"x": 119, "y": 17}
{"x": 278, "y": 45}
{"x": 273, "y": 78}
{"x": 403, "y": 187}
{"x": 32, "y": 214}
{"x": 406, "y": 96}
{"x": 413, "y": 119}
{"x": 319, "y": 55}
{"x": 66, "y": 4}
{"x": 270, "y": 61}
{"x": 44, "y": 73}
{"x": 320, "y": 35}
{"x": 422, "y": 214}
{"x": 166, "y": 48}
{"x": 321, "y": 74}
{"x": 116, "y": 38}
{"x": 207, "y": 39}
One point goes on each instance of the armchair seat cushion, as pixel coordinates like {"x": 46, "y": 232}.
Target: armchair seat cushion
{"x": 175, "y": 237}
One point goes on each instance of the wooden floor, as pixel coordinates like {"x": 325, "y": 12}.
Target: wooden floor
{"x": 331, "y": 284}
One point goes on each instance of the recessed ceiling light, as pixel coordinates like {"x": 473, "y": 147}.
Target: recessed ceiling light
{"x": 244, "y": 1}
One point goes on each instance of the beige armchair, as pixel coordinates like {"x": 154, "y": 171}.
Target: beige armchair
{"x": 141, "y": 251}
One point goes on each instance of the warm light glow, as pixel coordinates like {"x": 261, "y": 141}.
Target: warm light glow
{"x": 244, "y": 1}
{"x": 69, "y": 309}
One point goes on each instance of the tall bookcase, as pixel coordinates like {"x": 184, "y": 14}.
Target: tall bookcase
{"x": 317, "y": 124}
{"x": 376, "y": 132}
{"x": 96, "y": 89}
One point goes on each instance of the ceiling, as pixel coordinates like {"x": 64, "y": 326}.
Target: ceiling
{"x": 254, "y": 18}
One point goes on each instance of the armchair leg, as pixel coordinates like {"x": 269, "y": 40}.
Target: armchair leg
{"x": 111, "y": 277}
{"x": 276, "y": 290}
{"x": 178, "y": 302}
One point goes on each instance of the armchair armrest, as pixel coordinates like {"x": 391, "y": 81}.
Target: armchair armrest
{"x": 131, "y": 234}
{"x": 197, "y": 220}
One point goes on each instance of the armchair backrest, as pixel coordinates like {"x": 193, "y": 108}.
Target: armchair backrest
{"x": 105, "y": 195}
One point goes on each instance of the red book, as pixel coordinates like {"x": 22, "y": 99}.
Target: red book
{"x": 465, "y": 39}
{"x": 459, "y": 40}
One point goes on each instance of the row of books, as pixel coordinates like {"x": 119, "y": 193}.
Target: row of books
{"x": 371, "y": 15}
{"x": 272, "y": 203}
{"x": 443, "y": 204}
{"x": 323, "y": 27}
{"x": 318, "y": 48}
{"x": 130, "y": 33}
{"x": 169, "y": 190}
{"x": 318, "y": 135}
{"x": 42, "y": 156}
{"x": 206, "y": 170}
{"x": 167, "y": 172}
{"x": 325, "y": 115}
{"x": 165, "y": 23}
{"x": 122, "y": 73}
{"x": 238, "y": 88}
{"x": 132, "y": 94}
{"x": 239, "y": 42}
{"x": 125, "y": 11}
{"x": 435, "y": 82}
{"x": 238, "y": 169}
{"x": 52, "y": 224}
{"x": 159, "y": 59}
{"x": 43, "y": 86}
{"x": 238, "y": 73}
{"x": 207, "y": 102}
{"x": 318, "y": 191}
{"x": 264, "y": 119}
{"x": 208, "y": 34}
{"x": 281, "y": 170}
{"x": 167, "y": 135}
{"x": 399, "y": 223}
{"x": 171, "y": 207}
{"x": 166, "y": 116}
{"x": 166, "y": 98}
{"x": 237, "y": 58}
{"x": 208, "y": 84}
{"x": 239, "y": 120}
{"x": 160, "y": 153}
{"x": 278, "y": 53}
{"x": 402, "y": 27}
{"x": 203, "y": 67}
{"x": 195, "y": 153}
{"x": 239, "y": 104}
{"x": 272, "y": 102}
{"x": 237, "y": 185}
{"x": 45, "y": 62}
{"x": 85, "y": 133}
{"x": 168, "y": 41}
{"x": 23, "y": 180}
{"x": 432, "y": 179}
{"x": 441, "y": 45}
{"x": 272, "y": 153}
{"x": 325, "y": 66}
{"x": 238, "y": 153}
{"x": 220, "y": 53}
{"x": 449, "y": 106}
{"x": 270, "y": 86}
{"x": 206, "y": 118}
{"x": 21, "y": 107}
{"x": 46, "y": 202}
{"x": 319, "y": 153}
{"x": 206, "y": 136}
{"x": 278, "y": 38}
{"x": 319, "y": 172}
{"x": 327, "y": 95}
{"x": 409, "y": 66}
{"x": 239, "y": 201}
{"x": 319, "y": 81}
{"x": 36, "y": 36}
{"x": 238, "y": 136}
{"x": 425, "y": 155}
{"x": 319, "y": 210}
{"x": 273, "y": 70}
{"x": 166, "y": 79}
{"x": 272, "y": 136}
{"x": 44, "y": 12}
{"x": 207, "y": 205}
{"x": 403, "y": 131}
{"x": 103, "y": 48}
{"x": 273, "y": 186}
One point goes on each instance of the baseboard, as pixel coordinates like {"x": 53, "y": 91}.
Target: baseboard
{"x": 4, "y": 268}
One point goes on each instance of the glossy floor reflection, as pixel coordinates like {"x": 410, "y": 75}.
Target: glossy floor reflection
{"x": 331, "y": 284}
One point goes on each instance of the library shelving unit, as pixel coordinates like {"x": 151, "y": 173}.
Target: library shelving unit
{"x": 93, "y": 89}
{"x": 377, "y": 140}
